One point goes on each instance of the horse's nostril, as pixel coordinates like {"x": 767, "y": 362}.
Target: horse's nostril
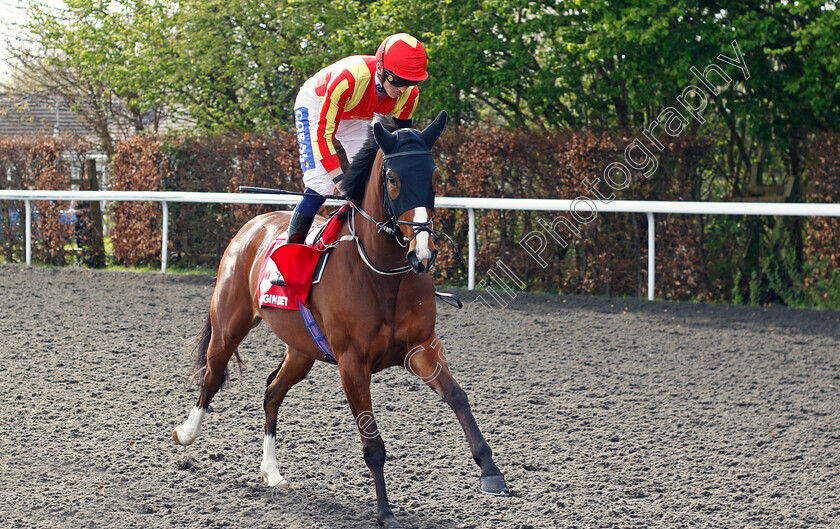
{"x": 413, "y": 260}
{"x": 416, "y": 263}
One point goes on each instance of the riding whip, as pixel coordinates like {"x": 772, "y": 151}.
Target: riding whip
{"x": 270, "y": 191}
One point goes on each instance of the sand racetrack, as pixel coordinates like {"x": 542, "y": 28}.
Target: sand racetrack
{"x": 601, "y": 412}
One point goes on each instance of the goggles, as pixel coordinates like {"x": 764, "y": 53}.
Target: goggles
{"x": 396, "y": 80}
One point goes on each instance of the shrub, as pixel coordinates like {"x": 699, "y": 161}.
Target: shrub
{"x": 38, "y": 162}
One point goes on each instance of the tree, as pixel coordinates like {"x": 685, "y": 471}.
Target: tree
{"x": 229, "y": 65}
{"x": 85, "y": 54}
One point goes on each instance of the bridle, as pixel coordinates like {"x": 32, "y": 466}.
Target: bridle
{"x": 381, "y": 226}
{"x": 417, "y": 227}
{"x": 391, "y": 226}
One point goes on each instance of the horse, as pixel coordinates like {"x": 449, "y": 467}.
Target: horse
{"x": 375, "y": 303}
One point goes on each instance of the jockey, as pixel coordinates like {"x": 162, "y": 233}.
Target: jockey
{"x": 339, "y": 102}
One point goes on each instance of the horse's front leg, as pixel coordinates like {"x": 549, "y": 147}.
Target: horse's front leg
{"x": 428, "y": 361}
{"x": 355, "y": 378}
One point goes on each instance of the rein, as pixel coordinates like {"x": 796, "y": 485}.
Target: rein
{"x": 391, "y": 226}
{"x": 382, "y": 226}
{"x": 386, "y": 226}
{"x": 450, "y": 299}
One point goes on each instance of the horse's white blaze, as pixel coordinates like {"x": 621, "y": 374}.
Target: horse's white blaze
{"x": 269, "y": 469}
{"x": 188, "y": 432}
{"x": 422, "y": 249}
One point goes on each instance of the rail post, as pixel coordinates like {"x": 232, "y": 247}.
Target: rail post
{"x": 165, "y": 237}
{"x": 28, "y": 233}
{"x": 471, "y": 274}
{"x": 651, "y": 255}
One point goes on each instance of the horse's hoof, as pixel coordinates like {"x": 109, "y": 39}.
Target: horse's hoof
{"x": 391, "y": 523}
{"x": 494, "y": 485}
{"x": 274, "y": 480}
{"x": 182, "y": 442}
{"x": 175, "y": 436}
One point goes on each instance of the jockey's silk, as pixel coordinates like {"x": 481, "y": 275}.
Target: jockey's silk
{"x": 347, "y": 90}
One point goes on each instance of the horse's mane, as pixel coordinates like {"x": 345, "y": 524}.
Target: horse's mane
{"x": 357, "y": 175}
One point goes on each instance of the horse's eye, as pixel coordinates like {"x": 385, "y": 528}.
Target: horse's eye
{"x": 393, "y": 184}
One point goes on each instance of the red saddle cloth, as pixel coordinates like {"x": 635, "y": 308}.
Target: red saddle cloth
{"x": 296, "y": 262}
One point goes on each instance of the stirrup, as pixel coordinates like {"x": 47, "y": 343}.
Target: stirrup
{"x": 298, "y": 230}
{"x": 276, "y": 279}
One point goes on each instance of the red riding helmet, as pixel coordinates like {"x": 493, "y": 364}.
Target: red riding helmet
{"x": 403, "y": 58}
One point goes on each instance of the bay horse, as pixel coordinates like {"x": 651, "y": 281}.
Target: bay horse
{"x": 375, "y": 304}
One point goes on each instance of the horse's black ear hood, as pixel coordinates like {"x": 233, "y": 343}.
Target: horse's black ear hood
{"x": 431, "y": 133}
{"x": 386, "y": 140}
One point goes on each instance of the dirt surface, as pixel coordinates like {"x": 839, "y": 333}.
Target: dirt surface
{"x": 601, "y": 413}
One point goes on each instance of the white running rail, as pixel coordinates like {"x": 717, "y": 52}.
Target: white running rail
{"x": 649, "y": 208}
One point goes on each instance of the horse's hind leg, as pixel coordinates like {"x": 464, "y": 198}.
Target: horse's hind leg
{"x": 294, "y": 368}
{"x": 224, "y": 331}
{"x": 428, "y": 361}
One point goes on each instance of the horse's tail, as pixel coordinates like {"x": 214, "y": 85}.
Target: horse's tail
{"x": 199, "y": 354}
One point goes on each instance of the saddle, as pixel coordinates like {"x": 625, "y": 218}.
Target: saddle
{"x": 300, "y": 265}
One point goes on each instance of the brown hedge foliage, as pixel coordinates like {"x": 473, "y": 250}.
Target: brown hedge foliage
{"x": 50, "y": 173}
{"x": 609, "y": 256}
{"x": 38, "y": 162}
{"x": 697, "y": 256}
{"x": 198, "y": 233}
{"x": 264, "y": 162}
{"x": 139, "y": 164}
{"x": 822, "y": 242}
{"x": 13, "y": 164}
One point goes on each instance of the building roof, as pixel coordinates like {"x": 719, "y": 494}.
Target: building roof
{"x": 36, "y": 113}
{"x": 24, "y": 114}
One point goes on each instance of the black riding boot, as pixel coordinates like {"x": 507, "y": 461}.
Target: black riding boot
{"x": 298, "y": 228}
